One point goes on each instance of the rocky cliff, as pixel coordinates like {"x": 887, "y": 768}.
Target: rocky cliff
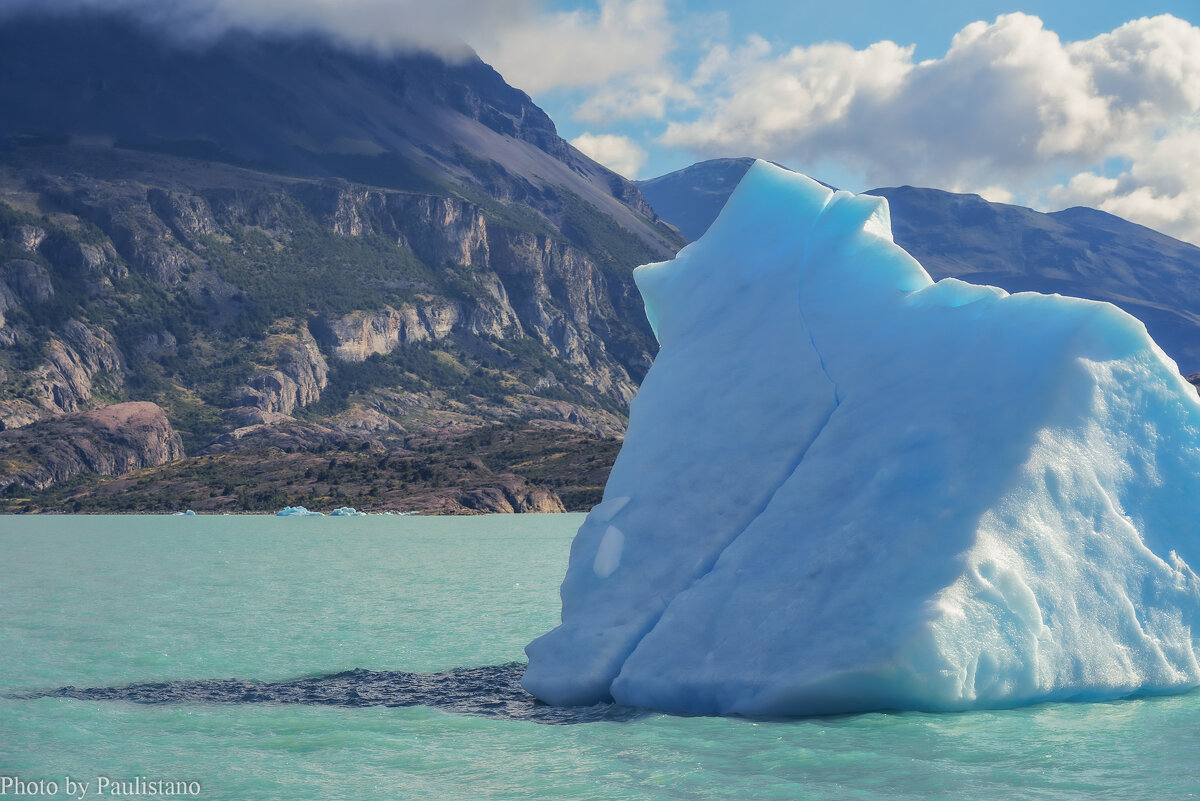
{"x": 295, "y": 375}
{"x": 280, "y": 266}
{"x": 111, "y": 441}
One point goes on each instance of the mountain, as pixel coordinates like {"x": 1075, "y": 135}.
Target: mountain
{"x": 691, "y": 198}
{"x": 301, "y": 105}
{"x": 343, "y": 277}
{"x": 1079, "y": 251}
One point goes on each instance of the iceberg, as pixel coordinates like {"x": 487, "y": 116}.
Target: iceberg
{"x": 845, "y": 487}
{"x": 297, "y": 511}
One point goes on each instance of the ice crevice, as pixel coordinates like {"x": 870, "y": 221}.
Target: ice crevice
{"x": 812, "y": 337}
{"x": 789, "y": 471}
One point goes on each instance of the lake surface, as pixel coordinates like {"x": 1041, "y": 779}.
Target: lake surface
{"x": 315, "y": 658}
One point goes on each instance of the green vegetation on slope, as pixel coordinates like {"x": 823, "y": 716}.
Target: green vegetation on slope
{"x": 194, "y": 288}
{"x": 425, "y": 477}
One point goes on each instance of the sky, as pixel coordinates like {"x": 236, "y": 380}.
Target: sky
{"x": 1045, "y": 104}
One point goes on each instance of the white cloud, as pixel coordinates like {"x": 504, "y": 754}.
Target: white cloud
{"x": 766, "y": 104}
{"x": 1147, "y": 66}
{"x": 442, "y": 27}
{"x": 1004, "y": 96}
{"x": 1008, "y": 105}
{"x": 619, "y": 153}
{"x": 581, "y": 48}
{"x": 995, "y": 194}
{"x": 1161, "y": 188}
{"x": 644, "y": 96}
{"x": 535, "y": 48}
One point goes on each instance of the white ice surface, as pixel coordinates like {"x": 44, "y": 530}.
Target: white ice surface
{"x": 846, "y": 487}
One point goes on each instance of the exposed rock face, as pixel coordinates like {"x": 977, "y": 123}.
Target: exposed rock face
{"x": 534, "y": 284}
{"x": 519, "y": 286}
{"x": 440, "y": 230}
{"x": 111, "y": 441}
{"x": 495, "y": 317}
{"x": 24, "y": 282}
{"x": 187, "y": 215}
{"x": 129, "y": 218}
{"x": 564, "y": 300}
{"x": 85, "y": 259}
{"x": 507, "y": 282}
{"x": 453, "y": 231}
{"x": 29, "y": 236}
{"x": 356, "y": 336}
{"x": 73, "y": 360}
{"x": 300, "y": 375}
{"x": 509, "y": 498}
{"x": 258, "y": 429}
{"x": 17, "y": 413}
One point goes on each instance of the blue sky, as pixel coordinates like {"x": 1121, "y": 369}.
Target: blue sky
{"x": 930, "y": 24}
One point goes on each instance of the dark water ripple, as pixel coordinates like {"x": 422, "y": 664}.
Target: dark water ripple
{"x": 490, "y": 691}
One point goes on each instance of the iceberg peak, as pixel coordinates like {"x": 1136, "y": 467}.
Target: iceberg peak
{"x": 847, "y": 487}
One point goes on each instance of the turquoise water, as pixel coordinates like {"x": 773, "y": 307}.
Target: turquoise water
{"x": 111, "y": 601}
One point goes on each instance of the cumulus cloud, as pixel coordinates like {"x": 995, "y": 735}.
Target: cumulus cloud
{"x": 645, "y": 95}
{"x": 582, "y": 48}
{"x": 619, "y": 153}
{"x": 1160, "y": 189}
{"x": 763, "y": 102}
{"x": 1008, "y": 105}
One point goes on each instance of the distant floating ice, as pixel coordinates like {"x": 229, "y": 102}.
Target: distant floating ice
{"x": 341, "y": 511}
{"x": 297, "y": 511}
{"x": 847, "y": 487}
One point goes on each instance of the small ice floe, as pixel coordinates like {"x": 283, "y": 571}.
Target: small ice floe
{"x": 347, "y": 511}
{"x": 297, "y": 511}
